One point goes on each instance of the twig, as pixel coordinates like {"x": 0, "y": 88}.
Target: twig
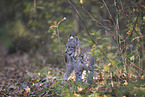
{"x": 137, "y": 67}
{"x": 136, "y": 38}
{"x": 135, "y": 25}
{"x": 59, "y": 24}
{"x": 109, "y": 12}
{"x": 59, "y": 32}
{"x": 111, "y": 79}
{"x": 87, "y": 30}
{"x": 57, "y": 28}
{"x": 35, "y": 4}
{"x": 93, "y": 19}
{"x": 82, "y": 21}
{"x": 124, "y": 12}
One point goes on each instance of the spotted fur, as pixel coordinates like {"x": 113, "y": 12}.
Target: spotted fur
{"x": 78, "y": 60}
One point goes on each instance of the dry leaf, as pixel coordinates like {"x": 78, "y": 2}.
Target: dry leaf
{"x": 117, "y": 38}
{"x": 128, "y": 32}
{"x": 126, "y": 83}
{"x": 81, "y": 1}
{"x": 27, "y": 89}
{"x": 132, "y": 58}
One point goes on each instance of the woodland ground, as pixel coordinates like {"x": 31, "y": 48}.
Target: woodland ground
{"x": 21, "y": 76}
{"x": 31, "y": 76}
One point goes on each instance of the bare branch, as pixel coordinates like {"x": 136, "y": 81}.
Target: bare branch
{"x": 136, "y": 38}
{"x": 82, "y": 21}
{"x": 109, "y": 12}
{"x": 87, "y": 30}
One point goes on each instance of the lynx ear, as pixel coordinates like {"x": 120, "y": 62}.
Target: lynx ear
{"x": 70, "y": 37}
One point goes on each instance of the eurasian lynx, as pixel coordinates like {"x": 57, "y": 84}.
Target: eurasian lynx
{"x": 78, "y": 60}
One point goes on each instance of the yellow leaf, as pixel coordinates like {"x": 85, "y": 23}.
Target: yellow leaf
{"x": 88, "y": 72}
{"x": 143, "y": 6}
{"x": 106, "y": 67}
{"x": 38, "y": 79}
{"x": 128, "y": 32}
{"x": 109, "y": 64}
{"x": 37, "y": 36}
{"x": 20, "y": 90}
{"x": 105, "y": 96}
{"x": 76, "y": 95}
{"x": 132, "y": 58}
{"x": 80, "y": 88}
{"x": 113, "y": 62}
{"x": 125, "y": 82}
{"x": 81, "y": 1}
{"x": 72, "y": 76}
{"x": 27, "y": 89}
{"x": 142, "y": 77}
{"x": 117, "y": 38}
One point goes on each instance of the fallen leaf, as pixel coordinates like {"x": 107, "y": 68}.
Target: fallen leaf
{"x": 117, "y": 38}
{"x": 128, "y": 32}
{"x": 27, "y": 89}
{"x": 81, "y": 1}
{"x": 126, "y": 83}
{"x": 132, "y": 58}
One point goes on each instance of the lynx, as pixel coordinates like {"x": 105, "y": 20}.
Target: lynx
{"x": 78, "y": 60}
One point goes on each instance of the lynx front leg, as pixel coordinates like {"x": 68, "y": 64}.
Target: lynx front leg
{"x": 69, "y": 69}
{"x": 90, "y": 75}
{"x": 78, "y": 71}
{"x": 90, "y": 70}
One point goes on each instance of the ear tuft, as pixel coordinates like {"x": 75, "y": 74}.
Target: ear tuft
{"x": 76, "y": 39}
{"x": 71, "y": 37}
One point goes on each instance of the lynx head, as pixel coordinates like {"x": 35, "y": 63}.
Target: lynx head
{"x": 71, "y": 46}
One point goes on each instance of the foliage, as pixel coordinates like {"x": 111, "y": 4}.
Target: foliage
{"x": 39, "y": 29}
{"x": 43, "y": 80}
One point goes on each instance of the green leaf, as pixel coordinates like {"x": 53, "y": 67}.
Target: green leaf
{"x": 106, "y": 67}
{"x": 109, "y": 55}
{"x": 100, "y": 46}
{"x": 84, "y": 45}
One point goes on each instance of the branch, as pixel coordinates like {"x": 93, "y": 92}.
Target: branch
{"x": 108, "y": 11}
{"x": 136, "y": 38}
{"x": 87, "y": 30}
{"x": 124, "y": 12}
{"x": 93, "y": 19}
{"x": 82, "y": 21}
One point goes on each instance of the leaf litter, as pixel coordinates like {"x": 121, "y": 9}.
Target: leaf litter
{"x": 19, "y": 77}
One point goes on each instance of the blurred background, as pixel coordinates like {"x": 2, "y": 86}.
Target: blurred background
{"x": 33, "y": 34}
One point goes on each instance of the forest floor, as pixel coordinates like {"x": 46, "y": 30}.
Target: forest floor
{"x": 31, "y": 76}
{"x": 24, "y": 75}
